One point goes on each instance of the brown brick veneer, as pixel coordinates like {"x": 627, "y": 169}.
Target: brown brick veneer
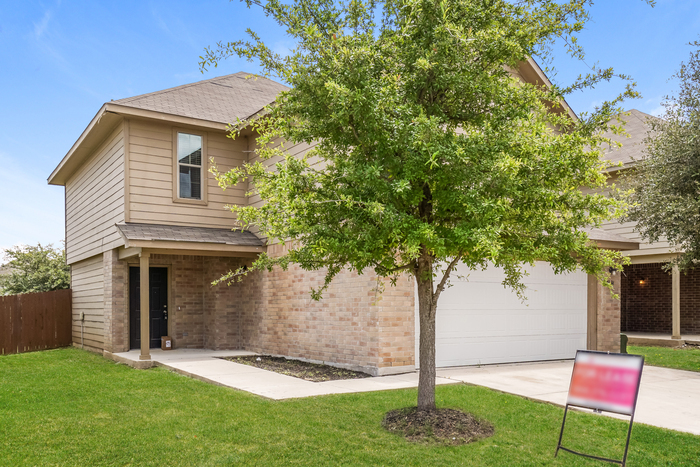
{"x": 690, "y": 302}
{"x": 272, "y": 312}
{"x": 116, "y": 337}
{"x": 608, "y": 316}
{"x": 646, "y": 298}
{"x": 354, "y": 325}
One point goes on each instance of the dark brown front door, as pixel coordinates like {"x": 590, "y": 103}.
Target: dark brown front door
{"x": 159, "y": 305}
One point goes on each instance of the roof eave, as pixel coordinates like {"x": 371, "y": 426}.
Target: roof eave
{"x": 535, "y": 68}
{"x": 58, "y": 177}
{"x": 103, "y": 122}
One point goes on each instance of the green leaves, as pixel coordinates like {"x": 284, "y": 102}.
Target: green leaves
{"x": 407, "y": 131}
{"x": 665, "y": 186}
{"x": 32, "y": 269}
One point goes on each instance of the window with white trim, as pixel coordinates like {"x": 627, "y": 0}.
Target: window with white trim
{"x": 189, "y": 164}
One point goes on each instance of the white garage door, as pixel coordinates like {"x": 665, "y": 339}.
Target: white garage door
{"x": 480, "y": 322}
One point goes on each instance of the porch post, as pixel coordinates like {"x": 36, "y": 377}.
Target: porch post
{"x": 676, "y": 304}
{"x": 145, "y": 307}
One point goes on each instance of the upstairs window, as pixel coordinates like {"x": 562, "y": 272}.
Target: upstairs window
{"x": 189, "y": 164}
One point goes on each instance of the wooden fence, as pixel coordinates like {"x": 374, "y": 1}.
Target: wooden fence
{"x": 35, "y": 321}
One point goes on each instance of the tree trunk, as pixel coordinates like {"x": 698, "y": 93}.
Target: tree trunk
{"x": 426, "y": 313}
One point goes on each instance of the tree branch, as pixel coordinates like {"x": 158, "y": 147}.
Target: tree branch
{"x": 441, "y": 285}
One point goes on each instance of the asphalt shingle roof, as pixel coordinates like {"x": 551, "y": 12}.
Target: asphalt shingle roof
{"x": 176, "y": 233}
{"x": 221, "y": 99}
{"x": 632, "y": 147}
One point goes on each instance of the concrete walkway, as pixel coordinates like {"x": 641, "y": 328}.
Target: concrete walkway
{"x": 207, "y": 365}
{"x": 667, "y": 398}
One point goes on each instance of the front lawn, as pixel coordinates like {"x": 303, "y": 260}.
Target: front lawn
{"x": 68, "y": 407}
{"x": 680, "y": 359}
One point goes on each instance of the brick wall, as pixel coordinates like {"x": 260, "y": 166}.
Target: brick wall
{"x": 353, "y": 325}
{"x": 116, "y": 338}
{"x": 690, "y": 302}
{"x": 608, "y": 315}
{"x": 646, "y": 298}
{"x": 200, "y": 316}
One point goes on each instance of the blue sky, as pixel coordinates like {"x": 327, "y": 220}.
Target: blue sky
{"x": 63, "y": 59}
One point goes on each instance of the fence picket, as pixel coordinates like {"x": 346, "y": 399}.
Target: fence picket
{"x": 35, "y": 321}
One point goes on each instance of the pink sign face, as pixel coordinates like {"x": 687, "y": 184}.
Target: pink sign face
{"x": 607, "y": 382}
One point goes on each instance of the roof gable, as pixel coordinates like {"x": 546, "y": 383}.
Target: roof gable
{"x": 636, "y": 125}
{"x": 224, "y": 99}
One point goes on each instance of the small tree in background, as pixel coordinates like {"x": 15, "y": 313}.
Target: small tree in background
{"x": 665, "y": 196}
{"x": 34, "y": 269}
{"x": 432, "y": 153}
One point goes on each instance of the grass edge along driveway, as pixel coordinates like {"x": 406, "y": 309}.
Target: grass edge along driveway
{"x": 679, "y": 359}
{"x": 70, "y": 407}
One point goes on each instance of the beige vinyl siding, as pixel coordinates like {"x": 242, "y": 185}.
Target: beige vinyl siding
{"x": 87, "y": 282}
{"x": 297, "y": 150}
{"x": 151, "y": 156}
{"x": 95, "y": 201}
{"x": 627, "y": 230}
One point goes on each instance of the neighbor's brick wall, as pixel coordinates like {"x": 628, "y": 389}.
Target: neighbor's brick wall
{"x": 353, "y": 325}
{"x": 608, "y": 316}
{"x": 646, "y": 307}
{"x": 690, "y": 302}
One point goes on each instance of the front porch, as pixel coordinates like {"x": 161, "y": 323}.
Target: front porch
{"x": 660, "y": 305}
{"x": 175, "y": 298}
{"x": 661, "y": 339}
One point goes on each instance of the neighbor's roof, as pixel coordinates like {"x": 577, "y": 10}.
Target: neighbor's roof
{"x": 223, "y": 99}
{"x": 174, "y": 233}
{"x": 637, "y": 127}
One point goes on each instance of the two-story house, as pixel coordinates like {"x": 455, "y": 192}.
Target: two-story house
{"x": 139, "y": 197}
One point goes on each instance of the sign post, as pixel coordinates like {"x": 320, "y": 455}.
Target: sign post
{"x": 604, "y": 381}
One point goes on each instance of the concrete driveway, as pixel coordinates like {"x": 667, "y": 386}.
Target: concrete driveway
{"x": 667, "y": 398}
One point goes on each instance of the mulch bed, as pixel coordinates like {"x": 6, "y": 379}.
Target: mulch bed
{"x": 440, "y": 426}
{"x": 309, "y": 371}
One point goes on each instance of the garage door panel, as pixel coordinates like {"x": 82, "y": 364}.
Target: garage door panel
{"x": 481, "y": 322}
{"x": 495, "y": 297}
{"x": 498, "y": 350}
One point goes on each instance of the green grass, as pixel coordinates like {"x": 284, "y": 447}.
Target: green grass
{"x": 680, "y": 359}
{"x": 68, "y": 407}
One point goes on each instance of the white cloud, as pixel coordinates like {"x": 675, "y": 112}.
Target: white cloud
{"x": 40, "y": 27}
{"x": 653, "y": 106}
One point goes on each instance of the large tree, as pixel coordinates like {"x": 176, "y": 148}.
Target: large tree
{"x": 665, "y": 185}
{"x": 432, "y": 152}
{"x": 31, "y": 269}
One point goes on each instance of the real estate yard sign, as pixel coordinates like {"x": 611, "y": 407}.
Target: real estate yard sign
{"x": 604, "y": 381}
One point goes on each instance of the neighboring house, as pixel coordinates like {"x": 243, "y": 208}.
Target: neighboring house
{"x": 652, "y": 300}
{"x": 139, "y": 197}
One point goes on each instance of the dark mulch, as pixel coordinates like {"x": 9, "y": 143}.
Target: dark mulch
{"x": 440, "y": 426}
{"x": 309, "y": 371}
